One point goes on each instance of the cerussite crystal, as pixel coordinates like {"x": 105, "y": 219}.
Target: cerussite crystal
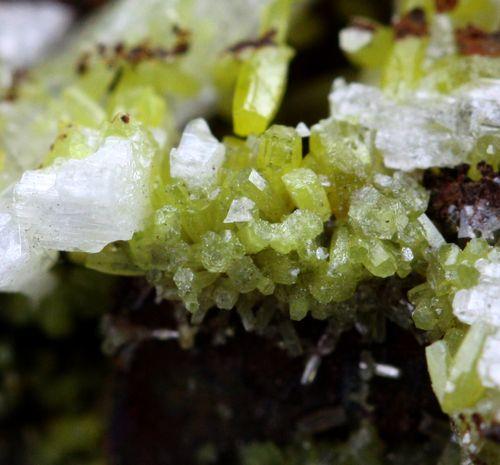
{"x": 84, "y": 204}
{"x": 199, "y": 156}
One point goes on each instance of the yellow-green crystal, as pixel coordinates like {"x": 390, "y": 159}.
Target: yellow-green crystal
{"x": 259, "y": 89}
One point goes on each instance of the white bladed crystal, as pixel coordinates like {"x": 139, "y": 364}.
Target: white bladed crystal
{"x": 240, "y": 211}
{"x": 199, "y": 156}
{"x": 482, "y": 301}
{"x": 85, "y": 204}
{"x": 481, "y": 105}
{"x": 424, "y": 129}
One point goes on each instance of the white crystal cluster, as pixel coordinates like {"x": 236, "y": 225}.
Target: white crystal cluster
{"x": 199, "y": 156}
{"x": 74, "y": 205}
{"x": 481, "y": 303}
{"x": 422, "y": 130}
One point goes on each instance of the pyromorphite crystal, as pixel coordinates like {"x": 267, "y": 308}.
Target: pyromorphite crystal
{"x": 198, "y": 157}
{"x": 480, "y": 13}
{"x": 280, "y": 150}
{"x": 404, "y": 65}
{"x": 438, "y": 361}
{"x": 83, "y": 204}
{"x": 306, "y": 191}
{"x": 463, "y": 386}
{"x": 259, "y": 89}
{"x": 373, "y": 213}
{"x": 82, "y": 108}
{"x": 219, "y": 251}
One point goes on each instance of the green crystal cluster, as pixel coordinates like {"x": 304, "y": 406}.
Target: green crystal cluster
{"x": 458, "y": 302}
{"x": 452, "y": 359}
{"x": 283, "y": 240}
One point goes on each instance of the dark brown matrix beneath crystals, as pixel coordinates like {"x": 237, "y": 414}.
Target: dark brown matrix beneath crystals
{"x": 452, "y": 190}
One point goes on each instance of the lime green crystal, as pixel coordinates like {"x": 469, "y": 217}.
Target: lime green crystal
{"x": 259, "y": 89}
{"x": 304, "y": 187}
{"x": 453, "y": 373}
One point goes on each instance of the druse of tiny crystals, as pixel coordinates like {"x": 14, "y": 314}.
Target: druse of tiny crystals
{"x": 438, "y": 105}
{"x": 246, "y": 219}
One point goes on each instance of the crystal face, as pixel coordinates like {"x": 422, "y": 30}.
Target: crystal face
{"x": 489, "y": 363}
{"x": 261, "y": 83}
{"x": 240, "y": 211}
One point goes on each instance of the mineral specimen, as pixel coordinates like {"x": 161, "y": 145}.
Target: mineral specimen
{"x": 276, "y": 222}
